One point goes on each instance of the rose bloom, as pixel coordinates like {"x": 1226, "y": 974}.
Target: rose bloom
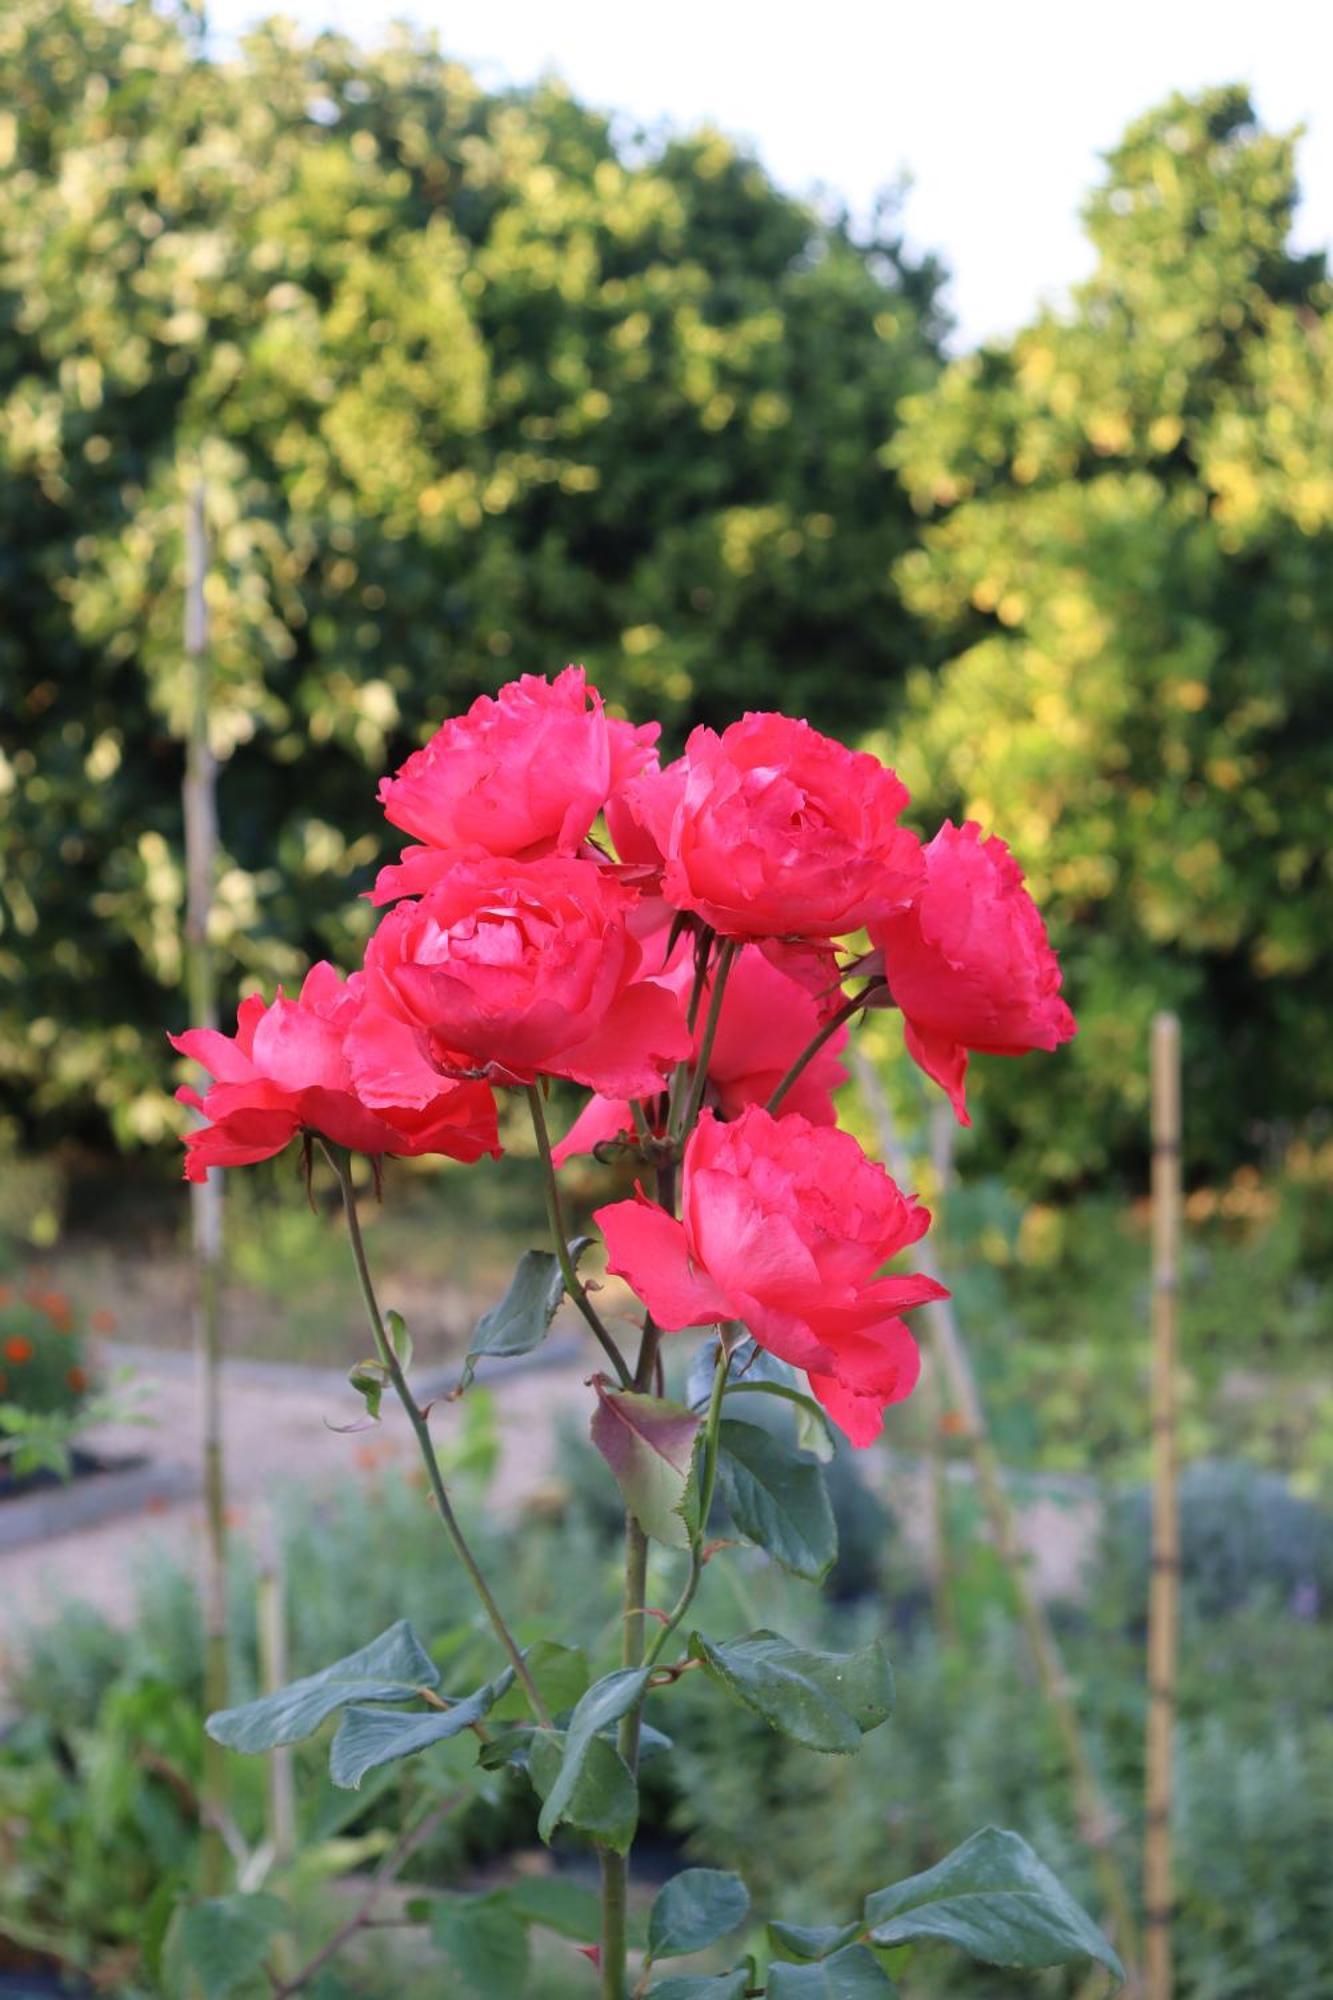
{"x": 969, "y": 962}
{"x": 522, "y": 774}
{"x": 521, "y": 968}
{"x": 286, "y": 1070}
{"x": 772, "y": 1009}
{"x": 784, "y": 1226}
{"x": 772, "y": 830}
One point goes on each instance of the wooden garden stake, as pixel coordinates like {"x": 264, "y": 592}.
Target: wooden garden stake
{"x": 1096, "y": 1819}
{"x": 1164, "y": 1584}
{"x": 932, "y": 1393}
{"x": 201, "y": 846}
{"x": 271, "y": 1619}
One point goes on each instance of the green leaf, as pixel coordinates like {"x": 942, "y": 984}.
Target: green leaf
{"x": 485, "y": 1942}
{"x": 813, "y": 1433}
{"x": 810, "y": 1941}
{"x": 649, "y": 1445}
{"x": 369, "y": 1379}
{"x": 851, "y": 1974}
{"x": 756, "y": 1372}
{"x": 400, "y": 1339}
{"x": 369, "y": 1737}
{"x": 776, "y": 1497}
{"x": 566, "y": 1908}
{"x": 523, "y": 1317}
{"x": 506, "y": 1749}
{"x": 561, "y": 1675}
{"x": 604, "y": 1802}
{"x": 702, "y": 1986}
{"x": 653, "y": 1742}
{"x": 994, "y": 1899}
{"x": 694, "y": 1909}
{"x": 825, "y": 1700}
{"x": 225, "y": 1941}
{"x": 604, "y": 1703}
{"x": 394, "y": 1667}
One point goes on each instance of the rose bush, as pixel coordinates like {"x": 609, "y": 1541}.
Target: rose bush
{"x": 527, "y": 968}
{"x": 772, "y": 1008}
{"x": 694, "y": 962}
{"x": 772, "y": 830}
{"x": 286, "y": 1070}
{"x": 969, "y": 962}
{"x": 523, "y": 774}
{"x": 784, "y": 1225}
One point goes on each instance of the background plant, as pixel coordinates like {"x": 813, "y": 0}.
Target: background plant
{"x": 460, "y": 370}
{"x": 968, "y": 1739}
{"x": 1127, "y": 518}
{"x": 44, "y": 1369}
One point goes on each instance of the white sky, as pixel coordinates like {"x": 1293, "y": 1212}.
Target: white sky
{"x": 998, "y": 109}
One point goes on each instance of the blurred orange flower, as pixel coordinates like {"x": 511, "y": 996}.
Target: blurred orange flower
{"x": 18, "y": 1348}
{"x": 56, "y": 1306}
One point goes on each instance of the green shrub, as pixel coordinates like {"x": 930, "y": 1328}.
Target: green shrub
{"x": 96, "y": 1778}
{"x": 43, "y": 1363}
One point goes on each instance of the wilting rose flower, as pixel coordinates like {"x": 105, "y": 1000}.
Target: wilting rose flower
{"x": 772, "y": 1009}
{"x": 286, "y": 1070}
{"x": 524, "y": 773}
{"x": 969, "y": 962}
{"x": 517, "y": 969}
{"x": 772, "y": 830}
{"x": 784, "y": 1227}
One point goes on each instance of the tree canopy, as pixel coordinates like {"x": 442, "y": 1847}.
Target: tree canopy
{"x": 479, "y": 383}
{"x": 1127, "y": 532}
{"x": 477, "y": 387}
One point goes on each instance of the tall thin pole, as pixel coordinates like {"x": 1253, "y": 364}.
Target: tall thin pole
{"x": 271, "y": 1619}
{"x": 201, "y": 847}
{"x": 933, "y": 1411}
{"x": 1096, "y": 1820}
{"x": 1164, "y": 1583}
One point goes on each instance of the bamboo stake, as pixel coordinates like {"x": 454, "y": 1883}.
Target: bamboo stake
{"x": 201, "y": 846}
{"x": 1096, "y": 1821}
{"x": 271, "y": 1617}
{"x": 1164, "y": 1583}
{"x": 932, "y": 1393}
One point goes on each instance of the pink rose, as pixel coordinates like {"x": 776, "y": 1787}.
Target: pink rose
{"x": 772, "y": 1009}
{"x": 522, "y": 774}
{"x": 784, "y": 1226}
{"x": 772, "y": 830}
{"x": 969, "y": 962}
{"x": 286, "y": 1070}
{"x": 521, "y": 968}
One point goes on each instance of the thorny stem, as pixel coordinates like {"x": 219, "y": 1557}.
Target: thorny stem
{"x": 699, "y": 1082}
{"x": 556, "y": 1219}
{"x": 851, "y": 1006}
{"x": 703, "y": 948}
{"x": 707, "y": 1487}
{"x": 615, "y": 1867}
{"x": 416, "y": 1416}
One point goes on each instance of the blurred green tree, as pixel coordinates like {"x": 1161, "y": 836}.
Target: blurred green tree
{"x": 1128, "y": 556}
{"x": 477, "y": 388}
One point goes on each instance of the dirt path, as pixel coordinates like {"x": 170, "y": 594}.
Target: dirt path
{"x": 280, "y": 1437}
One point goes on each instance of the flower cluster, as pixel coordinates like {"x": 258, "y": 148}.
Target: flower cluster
{"x": 679, "y": 940}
